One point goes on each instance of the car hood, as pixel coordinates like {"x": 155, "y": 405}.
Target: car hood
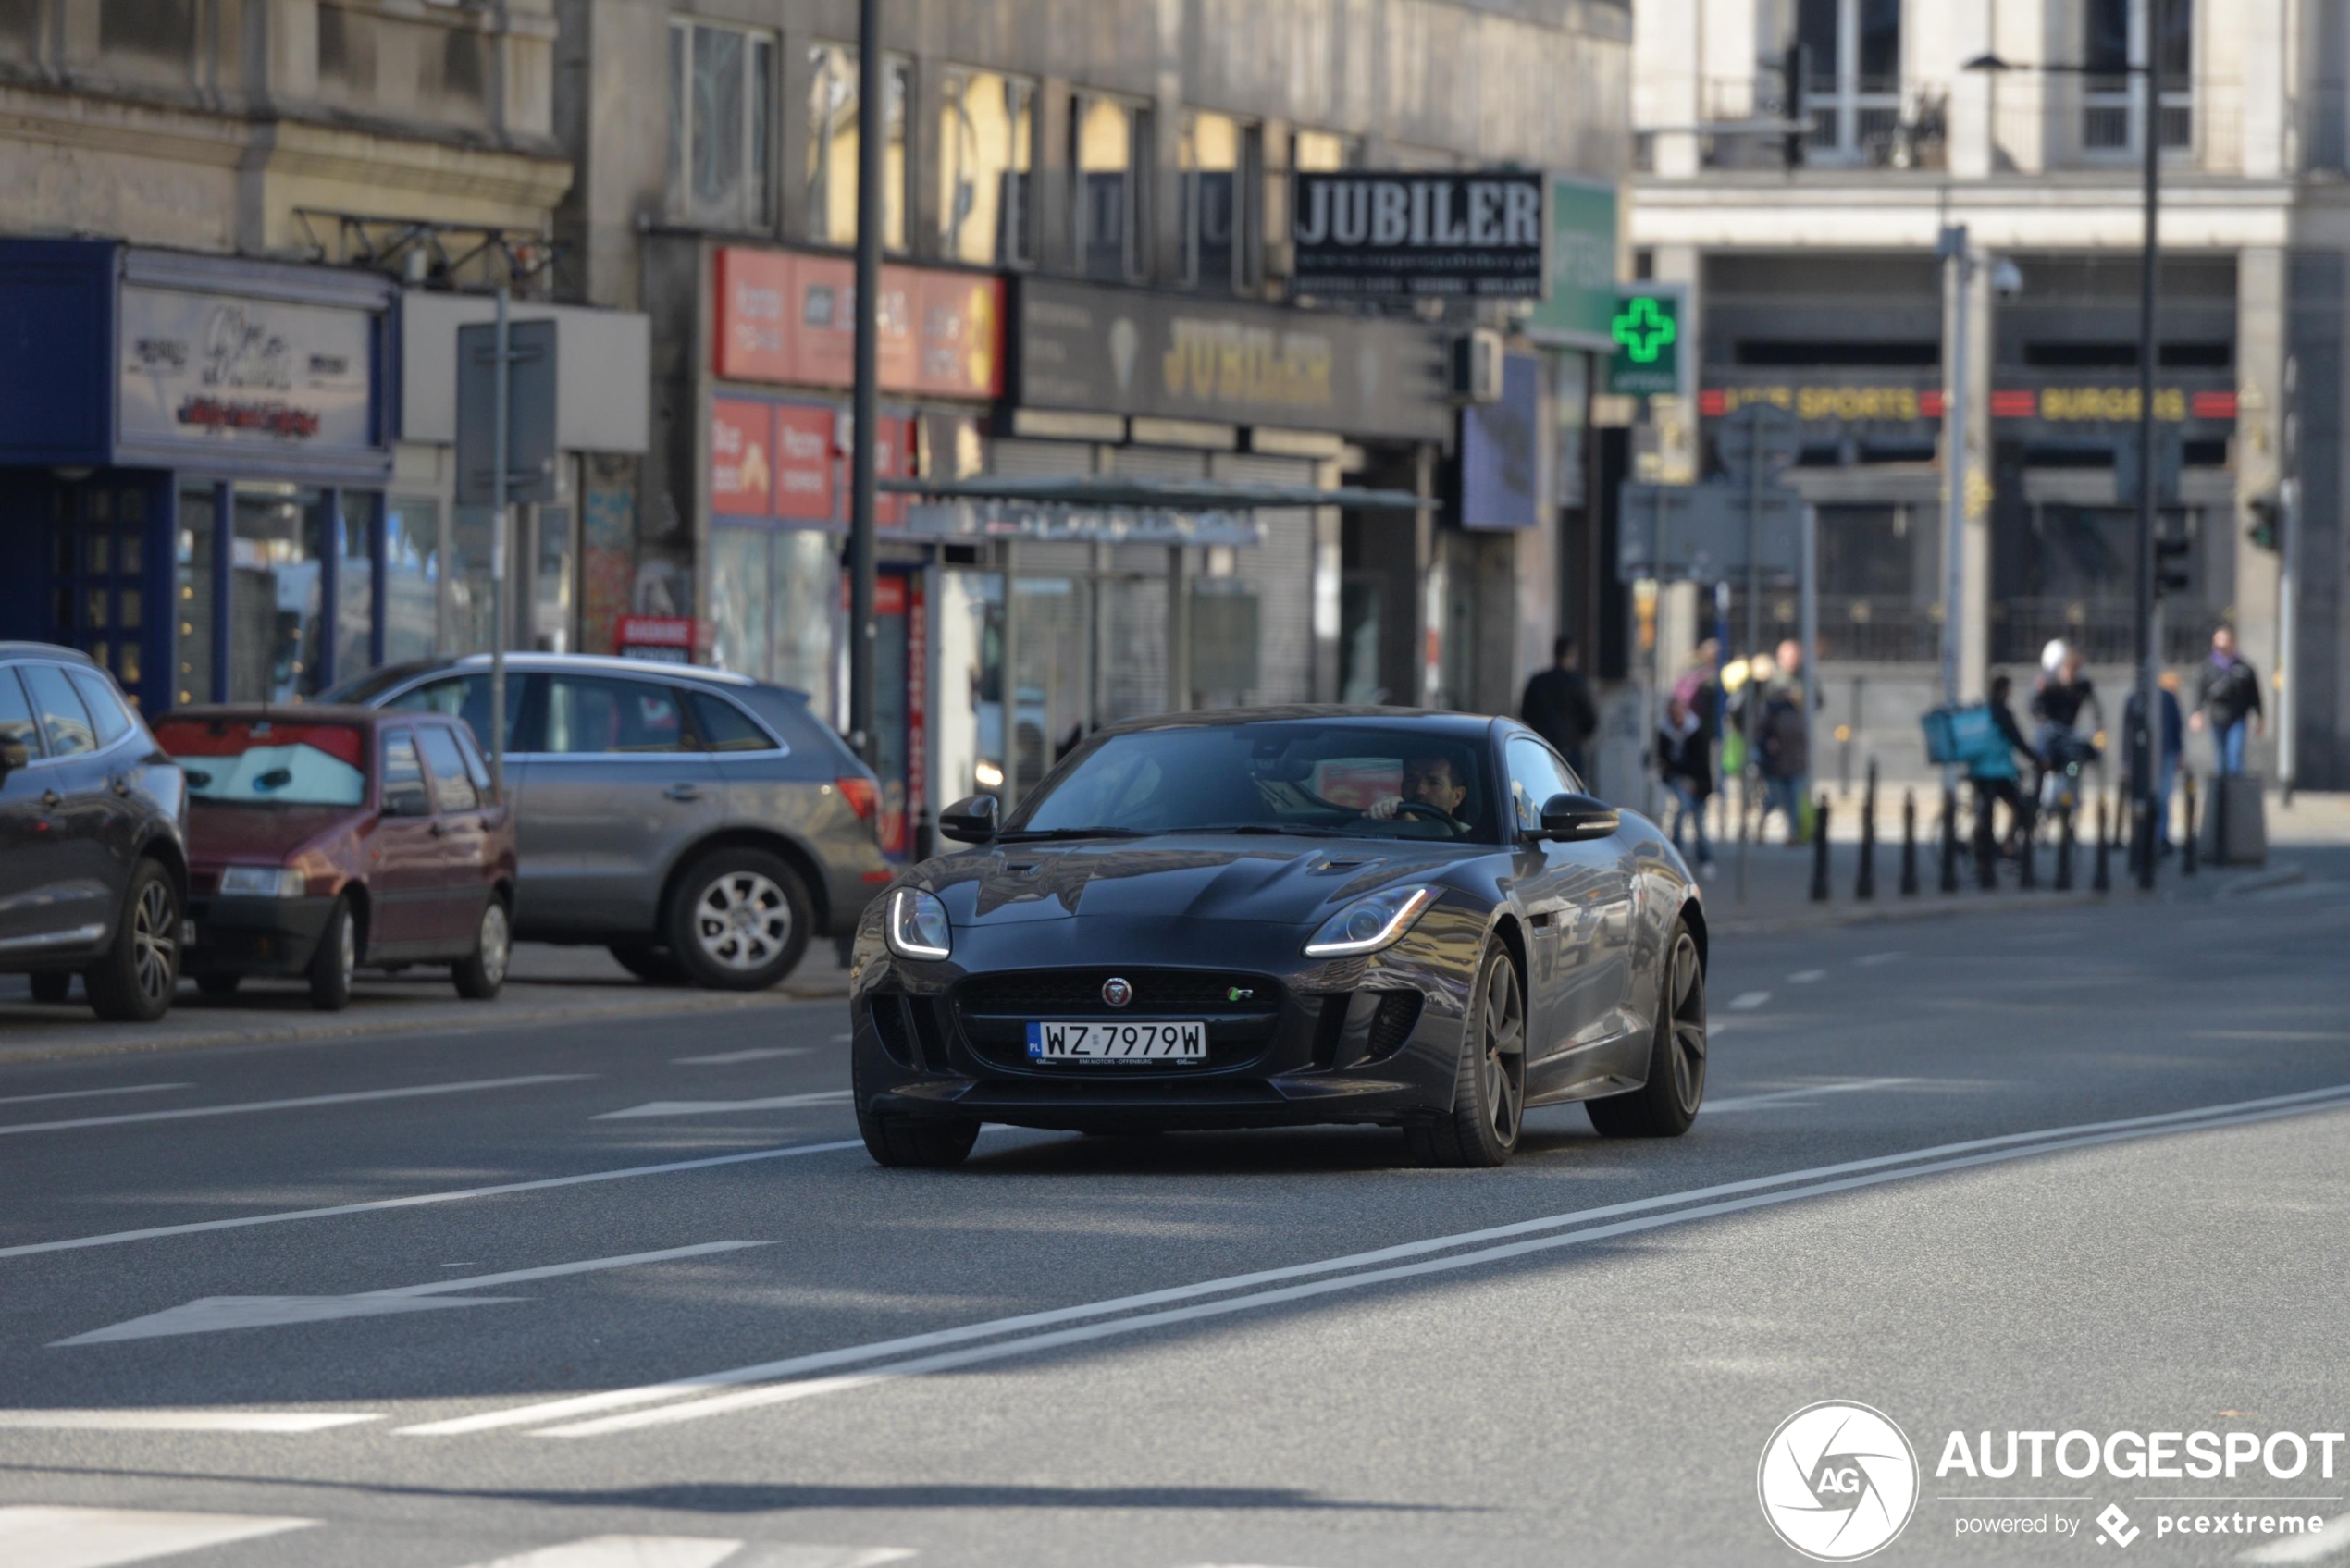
{"x": 1183, "y": 877}
{"x": 252, "y": 835}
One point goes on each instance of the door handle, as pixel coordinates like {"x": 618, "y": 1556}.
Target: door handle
{"x": 682, "y": 792}
{"x": 52, "y": 800}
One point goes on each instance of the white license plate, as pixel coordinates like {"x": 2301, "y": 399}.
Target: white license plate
{"x": 1118, "y": 1042}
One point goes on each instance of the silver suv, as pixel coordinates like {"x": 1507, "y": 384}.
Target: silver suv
{"x": 701, "y": 824}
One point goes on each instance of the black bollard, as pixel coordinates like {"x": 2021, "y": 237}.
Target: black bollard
{"x": 1864, "y": 886}
{"x": 1819, "y": 851}
{"x": 1909, "y": 843}
{"x": 2187, "y": 851}
{"x": 1950, "y": 841}
{"x": 2101, "y": 879}
{"x": 2064, "y": 850}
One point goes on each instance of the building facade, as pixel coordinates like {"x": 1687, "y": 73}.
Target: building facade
{"x": 1798, "y": 161}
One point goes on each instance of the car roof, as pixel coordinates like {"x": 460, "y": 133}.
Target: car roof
{"x": 47, "y": 651}
{"x": 1453, "y": 726}
{"x": 604, "y": 661}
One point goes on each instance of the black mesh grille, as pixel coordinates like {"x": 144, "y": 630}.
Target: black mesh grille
{"x": 1393, "y": 1023}
{"x": 889, "y": 1022}
{"x": 1078, "y": 993}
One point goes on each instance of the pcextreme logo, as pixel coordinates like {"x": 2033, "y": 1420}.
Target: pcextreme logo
{"x": 1837, "y": 1481}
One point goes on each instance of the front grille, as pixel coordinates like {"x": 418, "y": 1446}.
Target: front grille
{"x": 1040, "y": 993}
{"x": 889, "y": 1022}
{"x": 1392, "y": 1024}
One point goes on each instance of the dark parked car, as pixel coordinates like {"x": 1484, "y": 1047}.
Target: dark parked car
{"x": 1286, "y": 915}
{"x": 323, "y": 838}
{"x": 702, "y": 825}
{"x": 93, "y": 870}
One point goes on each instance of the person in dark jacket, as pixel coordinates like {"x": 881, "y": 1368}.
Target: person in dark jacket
{"x": 1557, "y": 706}
{"x": 1684, "y": 764}
{"x": 2169, "y": 747}
{"x": 2227, "y": 698}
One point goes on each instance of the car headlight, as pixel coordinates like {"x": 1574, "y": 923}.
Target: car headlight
{"x": 1369, "y": 924}
{"x": 264, "y": 881}
{"x": 917, "y": 925}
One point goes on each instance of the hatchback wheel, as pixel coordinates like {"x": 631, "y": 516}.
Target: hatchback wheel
{"x": 738, "y": 920}
{"x": 338, "y": 956}
{"x": 481, "y": 972}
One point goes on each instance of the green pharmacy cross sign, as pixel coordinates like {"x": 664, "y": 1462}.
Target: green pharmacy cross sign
{"x": 1646, "y": 327}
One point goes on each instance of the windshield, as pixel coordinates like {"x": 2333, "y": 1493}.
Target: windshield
{"x": 361, "y": 691}
{"x": 1306, "y": 778}
{"x": 265, "y": 762}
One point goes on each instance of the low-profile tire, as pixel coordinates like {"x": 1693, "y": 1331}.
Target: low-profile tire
{"x": 738, "y": 920}
{"x": 654, "y": 966}
{"x": 133, "y": 982}
{"x": 1488, "y": 1101}
{"x": 1667, "y": 1102}
{"x": 51, "y": 986}
{"x": 480, "y": 972}
{"x": 332, "y": 965}
{"x": 218, "y": 984}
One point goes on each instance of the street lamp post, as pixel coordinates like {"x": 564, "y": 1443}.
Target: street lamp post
{"x": 2140, "y": 738}
{"x": 871, "y": 86}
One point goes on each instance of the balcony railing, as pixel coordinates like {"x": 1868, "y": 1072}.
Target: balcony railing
{"x": 2060, "y": 122}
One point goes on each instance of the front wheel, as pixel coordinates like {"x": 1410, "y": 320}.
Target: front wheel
{"x": 1488, "y": 1101}
{"x": 1667, "y": 1102}
{"x": 481, "y": 972}
{"x": 133, "y": 983}
{"x": 739, "y": 921}
{"x": 338, "y": 956}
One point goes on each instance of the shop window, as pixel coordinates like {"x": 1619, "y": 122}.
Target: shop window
{"x": 720, "y": 124}
{"x": 738, "y": 600}
{"x": 195, "y": 551}
{"x": 1221, "y": 162}
{"x": 832, "y": 148}
{"x": 277, "y": 624}
{"x": 355, "y": 584}
{"x": 986, "y": 169}
{"x": 1109, "y": 163}
{"x": 412, "y": 579}
{"x": 807, "y": 598}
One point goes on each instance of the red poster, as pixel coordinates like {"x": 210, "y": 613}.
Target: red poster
{"x": 741, "y": 458}
{"x": 825, "y": 321}
{"x": 804, "y": 463}
{"x": 755, "y": 301}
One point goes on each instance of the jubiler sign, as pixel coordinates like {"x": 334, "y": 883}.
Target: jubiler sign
{"x": 1362, "y": 234}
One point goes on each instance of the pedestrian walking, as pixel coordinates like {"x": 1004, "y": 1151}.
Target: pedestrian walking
{"x": 2227, "y": 699}
{"x": 2170, "y": 748}
{"x": 1685, "y": 766}
{"x": 1557, "y": 705}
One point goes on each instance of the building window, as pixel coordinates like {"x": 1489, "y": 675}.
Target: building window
{"x": 1221, "y": 162}
{"x": 2112, "y": 97}
{"x": 1110, "y": 164}
{"x": 832, "y": 148}
{"x": 986, "y": 169}
{"x": 721, "y": 125}
{"x": 1851, "y": 53}
{"x": 412, "y": 579}
{"x": 194, "y": 552}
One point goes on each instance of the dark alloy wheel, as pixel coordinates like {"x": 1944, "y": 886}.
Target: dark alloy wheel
{"x": 133, "y": 982}
{"x": 1489, "y": 1100}
{"x": 1667, "y": 1102}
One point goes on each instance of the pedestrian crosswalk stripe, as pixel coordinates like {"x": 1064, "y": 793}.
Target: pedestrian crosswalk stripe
{"x": 624, "y": 1552}
{"x": 100, "y": 1537}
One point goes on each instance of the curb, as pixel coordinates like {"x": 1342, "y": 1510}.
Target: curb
{"x": 1925, "y": 905}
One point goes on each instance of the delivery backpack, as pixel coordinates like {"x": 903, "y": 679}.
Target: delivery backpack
{"x": 1971, "y": 738}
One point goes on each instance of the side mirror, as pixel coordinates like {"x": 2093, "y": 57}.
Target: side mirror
{"x": 14, "y": 754}
{"x": 971, "y": 820}
{"x": 1574, "y": 818}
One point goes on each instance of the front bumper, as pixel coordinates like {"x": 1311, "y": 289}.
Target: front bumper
{"x": 247, "y": 934}
{"x": 1375, "y": 1039}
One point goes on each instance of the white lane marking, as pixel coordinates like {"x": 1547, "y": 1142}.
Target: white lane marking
{"x": 92, "y": 1094}
{"x": 1747, "y": 1000}
{"x": 2332, "y": 1538}
{"x": 1797, "y": 1096}
{"x": 458, "y": 1194}
{"x": 842, "y": 1039}
{"x": 413, "y": 1092}
{"x": 720, "y": 1107}
{"x": 2269, "y": 1034}
{"x": 1873, "y": 959}
{"x": 101, "y": 1537}
{"x": 728, "y": 1058}
{"x": 212, "y": 1315}
{"x": 580, "y": 1404}
{"x": 624, "y": 1552}
{"x": 811, "y": 1388}
{"x": 280, "y": 1421}
{"x": 1806, "y": 977}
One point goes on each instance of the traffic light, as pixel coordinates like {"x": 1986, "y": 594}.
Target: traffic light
{"x": 2171, "y": 566}
{"x": 2267, "y": 513}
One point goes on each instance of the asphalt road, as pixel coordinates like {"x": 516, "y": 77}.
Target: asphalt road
{"x": 627, "y": 1291}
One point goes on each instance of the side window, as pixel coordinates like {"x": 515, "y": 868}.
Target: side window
{"x": 451, "y": 782}
{"x": 1536, "y": 774}
{"x": 467, "y": 698}
{"x": 105, "y": 709}
{"x": 476, "y": 768}
{"x": 65, "y": 723}
{"x": 16, "y": 713}
{"x": 725, "y": 727}
{"x": 405, "y": 794}
{"x": 591, "y": 715}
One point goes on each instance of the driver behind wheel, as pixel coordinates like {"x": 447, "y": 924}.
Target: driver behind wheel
{"x": 1427, "y": 781}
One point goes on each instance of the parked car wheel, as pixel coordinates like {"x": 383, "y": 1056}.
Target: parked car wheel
{"x": 218, "y": 984}
{"x": 479, "y": 974}
{"x": 739, "y": 921}
{"x": 338, "y": 956}
{"x": 133, "y": 982}
{"x": 654, "y": 966}
{"x": 51, "y": 985}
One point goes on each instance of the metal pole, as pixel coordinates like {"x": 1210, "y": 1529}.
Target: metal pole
{"x": 1179, "y": 630}
{"x": 1753, "y": 769}
{"x": 871, "y": 88}
{"x": 1954, "y": 471}
{"x": 1007, "y": 674}
{"x": 503, "y": 377}
{"x": 1808, "y": 628}
{"x": 2288, "y": 596}
{"x": 2141, "y": 738}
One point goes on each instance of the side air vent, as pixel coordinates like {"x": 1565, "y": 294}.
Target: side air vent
{"x": 1392, "y": 1024}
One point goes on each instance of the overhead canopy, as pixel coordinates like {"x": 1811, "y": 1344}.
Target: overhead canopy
{"x": 1115, "y": 509}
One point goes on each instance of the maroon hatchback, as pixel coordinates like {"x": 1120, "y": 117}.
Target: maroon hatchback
{"x": 323, "y": 838}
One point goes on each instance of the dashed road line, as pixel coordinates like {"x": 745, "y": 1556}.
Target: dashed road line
{"x": 722, "y": 1108}
{"x": 303, "y": 1102}
{"x": 1799, "y": 1096}
{"x": 92, "y": 1094}
{"x": 729, "y": 1058}
{"x": 1747, "y": 1000}
{"x": 1873, "y": 959}
{"x": 1806, "y": 977}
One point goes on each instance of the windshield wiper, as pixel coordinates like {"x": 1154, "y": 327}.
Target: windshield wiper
{"x": 1031, "y": 835}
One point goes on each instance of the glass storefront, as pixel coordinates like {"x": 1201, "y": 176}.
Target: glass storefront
{"x": 412, "y": 578}
{"x": 276, "y": 610}
{"x": 193, "y": 553}
{"x": 774, "y": 596}
{"x": 362, "y": 513}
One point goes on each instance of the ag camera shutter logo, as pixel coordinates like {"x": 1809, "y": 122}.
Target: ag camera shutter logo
{"x": 1837, "y": 1481}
